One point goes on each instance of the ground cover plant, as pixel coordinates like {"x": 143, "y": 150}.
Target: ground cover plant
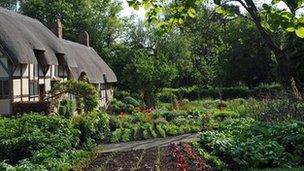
{"x": 37, "y": 142}
{"x": 152, "y": 124}
{"x": 238, "y": 133}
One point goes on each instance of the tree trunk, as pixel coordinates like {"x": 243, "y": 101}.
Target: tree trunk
{"x": 285, "y": 74}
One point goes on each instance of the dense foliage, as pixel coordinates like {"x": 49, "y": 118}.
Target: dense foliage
{"x": 38, "y": 142}
{"x": 146, "y": 125}
{"x": 245, "y": 143}
{"x": 86, "y": 94}
{"x": 197, "y": 92}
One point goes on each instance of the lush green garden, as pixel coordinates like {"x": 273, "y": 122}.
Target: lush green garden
{"x": 235, "y": 134}
{"x": 232, "y": 72}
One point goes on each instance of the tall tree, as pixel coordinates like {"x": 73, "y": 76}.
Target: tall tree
{"x": 10, "y": 4}
{"x": 264, "y": 20}
{"x": 100, "y": 18}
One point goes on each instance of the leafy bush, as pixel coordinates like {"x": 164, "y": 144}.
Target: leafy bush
{"x": 245, "y": 143}
{"x": 93, "y": 126}
{"x": 116, "y": 136}
{"x": 128, "y": 105}
{"x": 131, "y": 101}
{"x": 126, "y": 135}
{"x": 223, "y": 114}
{"x": 166, "y": 96}
{"x": 67, "y": 108}
{"x": 37, "y": 142}
{"x": 161, "y": 132}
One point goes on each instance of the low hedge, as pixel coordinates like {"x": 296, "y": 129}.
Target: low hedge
{"x": 194, "y": 93}
{"x": 28, "y": 107}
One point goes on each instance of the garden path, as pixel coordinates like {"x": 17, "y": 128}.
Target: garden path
{"x": 147, "y": 144}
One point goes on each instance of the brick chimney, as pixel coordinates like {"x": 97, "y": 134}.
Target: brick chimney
{"x": 58, "y": 28}
{"x": 84, "y": 39}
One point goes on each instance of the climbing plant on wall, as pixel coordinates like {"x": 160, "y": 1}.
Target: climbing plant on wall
{"x": 85, "y": 92}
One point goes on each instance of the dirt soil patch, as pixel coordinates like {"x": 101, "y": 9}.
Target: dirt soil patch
{"x": 156, "y": 158}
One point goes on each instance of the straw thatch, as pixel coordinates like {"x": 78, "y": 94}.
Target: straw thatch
{"x": 27, "y": 41}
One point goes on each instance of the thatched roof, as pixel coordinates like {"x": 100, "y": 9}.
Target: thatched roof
{"x": 21, "y": 37}
{"x": 89, "y": 62}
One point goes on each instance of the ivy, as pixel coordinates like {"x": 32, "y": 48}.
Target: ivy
{"x": 86, "y": 92}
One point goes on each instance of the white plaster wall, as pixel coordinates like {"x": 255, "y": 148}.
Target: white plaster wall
{"x": 31, "y": 71}
{"x": 16, "y": 87}
{"x": 47, "y": 85}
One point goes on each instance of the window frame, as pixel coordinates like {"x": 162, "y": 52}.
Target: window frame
{"x": 5, "y": 94}
{"x": 33, "y": 91}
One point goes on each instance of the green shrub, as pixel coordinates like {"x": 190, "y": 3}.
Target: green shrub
{"x": 87, "y": 93}
{"x": 137, "y": 132}
{"x": 67, "y": 108}
{"x": 168, "y": 115}
{"x": 126, "y": 106}
{"x": 126, "y": 135}
{"x": 93, "y": 126}
{"x": 117, "y": 107}
{"x": 114, "y": 123}
{"x": 138, "y": 118}
{"x": 282, "y": 109}
{"x": 166, "y": 96}
{"x": 223, "y": 114}
{"x": 37, "y": 142}
{"x": 116, "y": 136}
{"x": 245, "y": 143}
{"x": 131, "y": 101}
{"x": 171, "y": 129}
{"x": 161, "y": 132}
{"x": 196, "y": 92}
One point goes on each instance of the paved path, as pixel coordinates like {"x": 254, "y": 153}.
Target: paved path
{"x": 147, "y": 144}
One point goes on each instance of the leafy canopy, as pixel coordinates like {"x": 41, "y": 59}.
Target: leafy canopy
{"x": 180, "y": 10}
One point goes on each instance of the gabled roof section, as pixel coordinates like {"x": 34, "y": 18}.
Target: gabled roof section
{"x": 23, "y": 38}
{"x": 89, "y": 62}
{"x": 20, "y": 36}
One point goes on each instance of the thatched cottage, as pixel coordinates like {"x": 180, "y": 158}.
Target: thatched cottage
{"x": 32, "y": 59}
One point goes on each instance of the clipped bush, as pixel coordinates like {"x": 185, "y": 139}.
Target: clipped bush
{"x": 196, "y": 92}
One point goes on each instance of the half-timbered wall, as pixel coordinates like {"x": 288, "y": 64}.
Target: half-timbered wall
{"x": 5, "y": 105}
{"x": 106, "y": 92}
{"x": 31, "y": 82}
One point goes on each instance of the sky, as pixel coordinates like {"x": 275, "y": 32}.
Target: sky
{"x": 128, "y": 11}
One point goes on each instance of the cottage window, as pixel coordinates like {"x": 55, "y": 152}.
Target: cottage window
{"x": 4, "y": 89}
{"x": 61, "y": 71}
{"x": 33, "y": 88}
